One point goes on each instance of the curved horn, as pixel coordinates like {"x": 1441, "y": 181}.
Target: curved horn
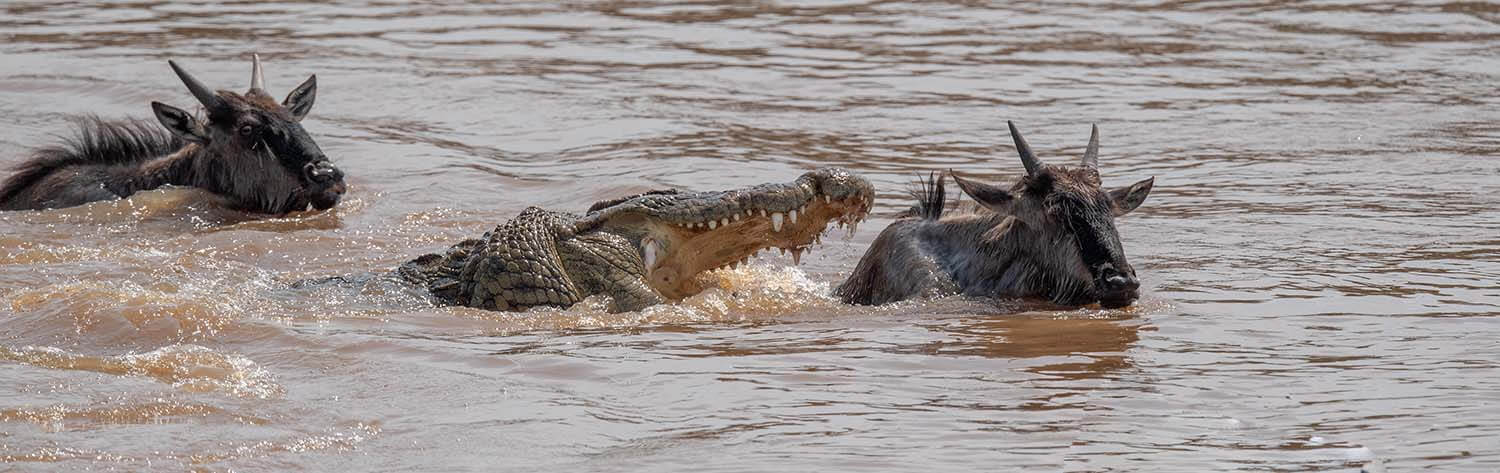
{"x": 1028, "y": 159}
{"x": 205, "y": 96}
{"x": 257, "y": 80}
{"x": 1091, "y": 154}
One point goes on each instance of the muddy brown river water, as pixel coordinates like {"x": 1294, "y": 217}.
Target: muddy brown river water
{"x": 1319, "y": 258}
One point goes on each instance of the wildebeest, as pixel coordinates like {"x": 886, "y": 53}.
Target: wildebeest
{"x": 1051, "y": 235}
{"x": 250, "y": 150}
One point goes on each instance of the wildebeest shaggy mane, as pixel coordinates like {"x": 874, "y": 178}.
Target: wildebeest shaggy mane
{"x": 94, "y": 141}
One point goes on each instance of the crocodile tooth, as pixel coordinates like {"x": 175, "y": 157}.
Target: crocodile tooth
{"x": 793, "y": 215}
{"x": 712, "y": 224}
{"x": 724, "y": 222}
{"x": 652, "y": 250}
{"x": 776, "y": 222}
{"x": 762, "y": 212}
{"x": 827, "y": 199}
{"x": 736, "y": 216}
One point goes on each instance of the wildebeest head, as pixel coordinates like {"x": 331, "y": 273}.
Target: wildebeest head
{"x": 257, "y": 152}
{"x": 1070, "y": 219}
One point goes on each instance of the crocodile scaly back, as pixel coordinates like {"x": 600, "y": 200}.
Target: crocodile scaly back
{"x": 518, "y": 266}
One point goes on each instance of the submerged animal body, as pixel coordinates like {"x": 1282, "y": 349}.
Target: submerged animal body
{"x": 250, "y": 150}
{"x": 1051, "y": 235}
{"x": 639, "y": 251}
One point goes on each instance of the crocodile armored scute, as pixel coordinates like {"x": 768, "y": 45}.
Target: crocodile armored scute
{"x": 640, "y": 250}
{"x": 518, "y": 266}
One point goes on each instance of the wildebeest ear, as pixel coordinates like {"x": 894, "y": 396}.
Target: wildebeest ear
{"x": 1126, "y": 199}
{"x": 180, "y": 123}
{"x": 991, "y": 196}
{"x": 300, "y": 100}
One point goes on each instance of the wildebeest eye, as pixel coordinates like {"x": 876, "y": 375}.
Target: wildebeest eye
{"x": 247, "y": 130}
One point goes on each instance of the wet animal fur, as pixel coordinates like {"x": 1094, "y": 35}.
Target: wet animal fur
{"x": 251, "y": 151}
{"x": 1050, "y": 235}
{"x": 96, "y": 143}
{"x": 106, "y": 160}
{"x": 928, "y": 194}
{"x": 938, "y": 252}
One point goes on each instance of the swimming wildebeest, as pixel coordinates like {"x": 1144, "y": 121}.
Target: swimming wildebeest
{"x": 1051, "y": 235}
{"x": 250, "y": 150}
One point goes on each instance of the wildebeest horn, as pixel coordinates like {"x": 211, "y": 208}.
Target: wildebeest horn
{"x": 1091, "y": 154}
{"x": 205, "y": 96}
{"x": 1033, "y": 165}
{"x": 257, "y": 80}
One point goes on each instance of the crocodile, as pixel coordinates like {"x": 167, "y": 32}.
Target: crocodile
{"x": 641, "y": 250}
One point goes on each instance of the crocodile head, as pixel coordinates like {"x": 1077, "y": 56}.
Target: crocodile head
{"x": 680, "y": 235}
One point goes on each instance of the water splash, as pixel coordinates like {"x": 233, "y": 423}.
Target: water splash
{"x": 748, "y": 293}
{"x": 64, "y": 417}
{"x": 190, "y": 368}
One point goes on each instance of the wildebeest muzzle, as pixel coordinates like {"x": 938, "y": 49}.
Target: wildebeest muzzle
{"x": 326, "y": 183}
{"x": 1116, "y": 288}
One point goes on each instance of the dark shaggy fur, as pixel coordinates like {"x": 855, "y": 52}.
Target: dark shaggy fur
{"x": 1050, "y": 235}
{"x": 94, "y": 141}
{"x": 929, "y": 195}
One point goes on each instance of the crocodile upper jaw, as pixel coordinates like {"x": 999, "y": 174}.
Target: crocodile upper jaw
{"x": 675, "y": 254}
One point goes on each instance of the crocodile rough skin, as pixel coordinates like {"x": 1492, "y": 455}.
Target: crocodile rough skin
{"x": 556, "y": 259}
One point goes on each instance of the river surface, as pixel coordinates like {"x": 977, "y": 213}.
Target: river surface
{"x": 1319, "y": 257}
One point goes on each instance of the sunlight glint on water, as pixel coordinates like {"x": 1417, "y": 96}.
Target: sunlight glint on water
{"x": 1318, "y": 257}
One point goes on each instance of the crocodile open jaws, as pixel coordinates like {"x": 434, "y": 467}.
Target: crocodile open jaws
{"x": 641, "y": 250}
